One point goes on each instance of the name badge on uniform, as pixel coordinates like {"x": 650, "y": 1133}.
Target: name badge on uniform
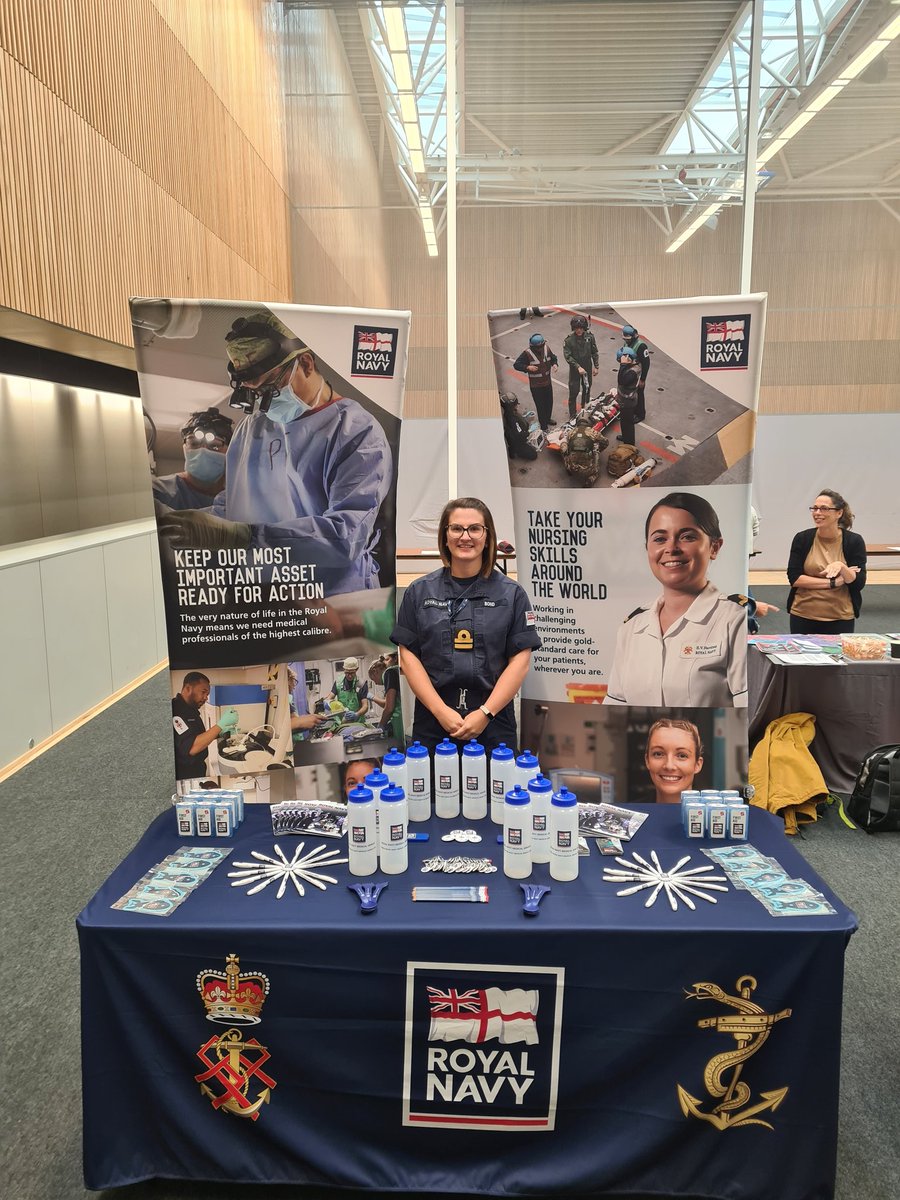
{"x": 689, "y": 651}
{"x": 179, "y": 725}
{"x": 463, "y": 640}
{"x": 434, "y": 604}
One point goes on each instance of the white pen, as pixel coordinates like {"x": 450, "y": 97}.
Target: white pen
{"x": 653, "y": 895}
{"x": 684, "y": 897}
{"x": 639, "y": 887}
{"x": 673, "y": 903}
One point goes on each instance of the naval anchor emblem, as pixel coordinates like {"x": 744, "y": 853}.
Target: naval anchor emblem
{"x": 750, "y": 1026}
{"x": 233, "y": 1063}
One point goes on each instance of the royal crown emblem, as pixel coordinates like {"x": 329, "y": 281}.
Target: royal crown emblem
{"x": 233, "y": 997}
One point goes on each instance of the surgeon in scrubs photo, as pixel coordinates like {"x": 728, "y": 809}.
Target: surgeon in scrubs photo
{"x": 205, "y": 437}
{"x": 306, "y": 470}
{"x": 689, "y": 647}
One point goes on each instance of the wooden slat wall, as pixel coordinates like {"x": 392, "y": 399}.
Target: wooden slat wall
{"x": 125, "y": 170}
{"x": 831, "y": 271}
{"x": 333, "y": 178}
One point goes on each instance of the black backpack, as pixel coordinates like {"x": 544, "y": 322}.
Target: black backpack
{"x": 875, "y": 801}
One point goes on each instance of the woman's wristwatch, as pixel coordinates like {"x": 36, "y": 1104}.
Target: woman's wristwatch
{"x": 487, "y": 712}
{"x": 833, "y": 581}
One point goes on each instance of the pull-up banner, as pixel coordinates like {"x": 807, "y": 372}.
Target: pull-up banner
{"x": 274, "y": 435}
{"x": 609, "y": 410}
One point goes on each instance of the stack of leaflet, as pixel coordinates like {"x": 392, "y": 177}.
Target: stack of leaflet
{"x": 767, "y": 880}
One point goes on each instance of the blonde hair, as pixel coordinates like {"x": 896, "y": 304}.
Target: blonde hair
{"x": 676, "y": 723}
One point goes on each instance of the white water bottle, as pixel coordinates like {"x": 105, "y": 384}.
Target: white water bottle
{"x": 474, "y": 780}
{"x": 503, "y": 777}
{"x": 540, "y": 789}
{"x": 564, "y": 835}
{"x": 517, "y": 834}
{"x": 377, "y": 781}
{"x": 392, "y": 845}
{"x": 527, "y": 766}
{"x": 446, "y": 779}
{"x": 394, "y": 766}
{"x": 362, "y": 848}
{"x": 418, "y": 782}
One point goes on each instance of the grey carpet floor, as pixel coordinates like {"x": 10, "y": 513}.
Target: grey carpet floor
{"x": 880, "y": 610}
{"x": 88, "y": 800}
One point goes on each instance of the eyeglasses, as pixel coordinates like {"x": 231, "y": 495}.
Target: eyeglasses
{"x": 474, "y": 531}
{"x": 822, "y": 508}
{"x": 204, "y": 441}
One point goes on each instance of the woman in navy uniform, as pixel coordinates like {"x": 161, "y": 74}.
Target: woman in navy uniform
{"x": 689, "y": 648}
{"x": 466, "y": 633}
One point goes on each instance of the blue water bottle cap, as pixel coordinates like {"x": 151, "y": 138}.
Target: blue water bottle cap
{"x": 517, "y": 795}
{"x": 526, "y": 759}
{"x": 417, "y": 750}
{"x": 394, "y": 758}
{"x": 392, "y": 793}
{"x": 540, "y": 783}
{"x": 446, "y": 747}
{"x": 563, "y": 798}
{"x": 360, "y": 794}
{"x": 474, "y": 748}
{"x": 501, "y": 753}
{"x": 376, "y": 780}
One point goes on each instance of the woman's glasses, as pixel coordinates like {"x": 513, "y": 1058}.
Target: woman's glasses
{"x": 818, "y": 508}
{"x": 474, "y": 531}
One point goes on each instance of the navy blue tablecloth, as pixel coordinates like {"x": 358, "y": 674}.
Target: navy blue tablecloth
{"x": 467, "y": 1047}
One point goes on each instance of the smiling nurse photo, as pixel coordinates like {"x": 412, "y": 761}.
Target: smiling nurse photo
{"x": 688, "y": 647}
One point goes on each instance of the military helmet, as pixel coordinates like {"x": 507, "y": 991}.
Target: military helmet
{"x": 626, "y": 352}
{"x": 536, "y": 339}
{"x": 259, "y": 342}
{"x": 629, "y": 332}
{"x": 582, "y": 418}
{"x": 508, "y": 399}
{"x": 579, "y": 322}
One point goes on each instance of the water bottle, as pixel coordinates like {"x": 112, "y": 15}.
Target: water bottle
{"x": 503, "y": 777}
{"x": 446, "y": 779}
{"x": 394, "y": 766}
{"x": 362, "y": 850}
{"x": 540, "y": 789}
{"x": 517, "y": 834}
{"x": 474, "y": 779}
{"x": 527, "y": 766}
{"x": 392, "y": 831}
{"x": 377, "y": 781}
{"x": 418, "y": 782}
{"x": 564, "y": 835}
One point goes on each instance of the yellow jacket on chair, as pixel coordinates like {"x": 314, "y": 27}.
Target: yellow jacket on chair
{"x": 784, "y": 773}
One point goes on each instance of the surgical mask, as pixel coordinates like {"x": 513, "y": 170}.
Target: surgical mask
{"x": 285, "y": 407}
{"x": 206, "y": 466}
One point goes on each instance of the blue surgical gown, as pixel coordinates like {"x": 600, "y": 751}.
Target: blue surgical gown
{"x": 174, "y": 491}
{"x": 314, "y": 485}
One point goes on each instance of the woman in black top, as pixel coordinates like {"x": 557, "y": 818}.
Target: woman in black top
{"x": 826, "y": 569}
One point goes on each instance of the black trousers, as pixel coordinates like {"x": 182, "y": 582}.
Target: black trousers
{"x": 575, "y": 388}
{"x": 805, "y": 625}
{"x": 543, "y": 403}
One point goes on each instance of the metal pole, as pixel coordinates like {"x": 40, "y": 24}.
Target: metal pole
{"x": 751, "y": 147}
{"x": 452, "y": 406}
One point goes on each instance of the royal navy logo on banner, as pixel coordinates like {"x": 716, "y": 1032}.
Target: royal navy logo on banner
{"x": 734, "y": 1103}
{"x": 482, "y": 1046}
{"x": 725, "y": 343}
{"x": 233, "y": 1078}
{"x": 374, "y": 351}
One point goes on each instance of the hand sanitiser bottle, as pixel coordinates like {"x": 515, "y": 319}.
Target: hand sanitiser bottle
{"x": 418, "y": 782}
{"x": 503, "y": 777}
{"x": 392, "y": 830}
{"x": 564, "y": 835}
{"x": 362, "y": 850}
{"x": 517, "y": 834}
{"x": 446, "y": 779}
{"x": 474, "y": 781}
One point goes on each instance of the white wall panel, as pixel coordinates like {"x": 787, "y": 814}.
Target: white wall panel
{"x": 131, "y": 606}
{"x": 25, "y": 686}
{"x": 851, "y": 453}
{"x": 76, "y": 628}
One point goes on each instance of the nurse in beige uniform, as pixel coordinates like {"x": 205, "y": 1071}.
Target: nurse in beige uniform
{"x": 689, "y": 648}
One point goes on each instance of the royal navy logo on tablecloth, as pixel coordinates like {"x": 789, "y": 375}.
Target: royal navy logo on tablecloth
{"x": 734, "y": 1102}
{"x": 233, "y": 1078}
{"x": 725, "y": 343}
{"x": 374, "y": 351}
{"x": 482, "y": 1046}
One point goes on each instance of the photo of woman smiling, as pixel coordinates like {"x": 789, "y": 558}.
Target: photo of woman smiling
{"x": 689, "y": 647}
{"x": 674, "y": 756}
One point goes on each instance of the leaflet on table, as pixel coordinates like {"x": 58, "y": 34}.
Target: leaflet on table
{"x": 273, "y": 437}
{"x": 687, "y": 413}
{"x": 164, "y": 887}
{"x": 766, "y": 879}
{"x": 608, "y": 821}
